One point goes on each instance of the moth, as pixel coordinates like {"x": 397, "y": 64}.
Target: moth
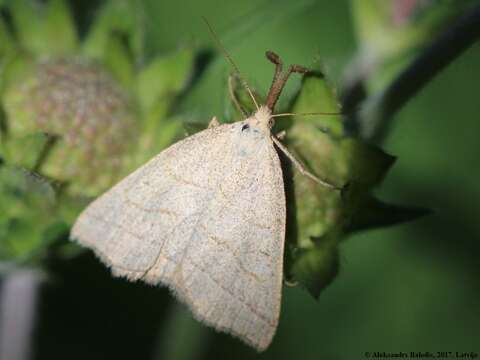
{"x": 206, "y": 218}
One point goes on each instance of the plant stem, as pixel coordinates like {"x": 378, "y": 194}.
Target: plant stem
{"x": 373, "y": 119}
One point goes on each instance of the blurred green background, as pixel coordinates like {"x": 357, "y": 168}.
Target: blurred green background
{"x": 412, "y": 287}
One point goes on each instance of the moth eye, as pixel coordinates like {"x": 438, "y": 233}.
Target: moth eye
{"x": 245, "y": 127}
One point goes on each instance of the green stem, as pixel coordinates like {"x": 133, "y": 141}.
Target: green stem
{"x": 373, "y": 121}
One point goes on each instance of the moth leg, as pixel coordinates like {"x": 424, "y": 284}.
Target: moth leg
{"x": 281, "y": 135}
{"x": 234, "y": 98}
{"x": 213, "y": 123}
{"x": 300, "y": 167}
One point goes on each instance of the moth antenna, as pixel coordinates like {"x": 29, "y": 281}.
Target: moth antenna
{"x": 307, "y": 114}
{"x": 230, "y": 60}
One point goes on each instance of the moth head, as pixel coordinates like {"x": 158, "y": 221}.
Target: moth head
{"x": 263, "y": 118}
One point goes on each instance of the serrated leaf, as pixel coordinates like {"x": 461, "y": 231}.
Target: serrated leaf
{"x": 320, "y": 214}
{"x": 339, "y": 160}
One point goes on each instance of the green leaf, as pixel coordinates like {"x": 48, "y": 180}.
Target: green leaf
{"x": 375, "y": 213}
{"x": 158, "y": 86}
{"x": 366, "y": 164}
{"x": 32, "y": 189}
{"x": 14, "y": 72}
{"x": 27, "y": 211}
{"x": 117, "y": 17}
{"x": 44, "y": 29}
{"x": 315, "y": 141}
{"x": 24, "y": 150}
{"x": 318, "y": 216}
{"x": 208, "y": 91}
{"x": 160, "y": 133}
{"x": 164, "y": 77}
{"x": 7, "y": 50}
{"x": 118, "y": 61}
{"x": 317, "y": 267}
{"x": 317, "y": 94}
{"x": 60, "y": 29}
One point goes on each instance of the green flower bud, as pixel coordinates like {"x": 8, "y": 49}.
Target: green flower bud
{"x": 88, "y": 121}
